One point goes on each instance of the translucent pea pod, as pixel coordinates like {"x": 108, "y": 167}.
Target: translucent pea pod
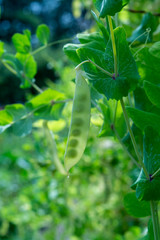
{"x": 80, "y": 121}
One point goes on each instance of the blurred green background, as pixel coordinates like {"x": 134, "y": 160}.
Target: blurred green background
{"x": 36, "y": 201}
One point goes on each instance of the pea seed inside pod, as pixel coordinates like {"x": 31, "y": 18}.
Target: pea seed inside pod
{"x": 78, "y": 122}
{"x": 72, "y": 153}
{"x": 73, "y": 143}
{"x": 82, "y": 97}
{"x": 79, "y": 108}
{"x": 76, "y": 132}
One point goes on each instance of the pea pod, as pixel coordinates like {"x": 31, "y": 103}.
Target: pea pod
{"x": 80, "y": 121}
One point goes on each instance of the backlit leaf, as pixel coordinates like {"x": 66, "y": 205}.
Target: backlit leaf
{"x": 110, "y": 7}
{"x": 43, "y": 33}
{"x": 21, "y": 43}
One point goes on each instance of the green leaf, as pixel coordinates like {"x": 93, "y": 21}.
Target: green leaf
{"x": 16, "y": 111}
{"x": 45, "y": 98}
{"x": 70, "y": 50}
{"x": 5, "y": 120}
{"x": 110, "y": 7}
{"x": 44, "y": 106}
{"x": 128, "y": 76}
{"x": 136, "y": 208}
{"x": 153, "y": 92}
{"x": 148, "y": 66}
{"x": 150, "y": 23}
{"x": 27, "y": 33}
{"x": 1, "y": 48}
{"x": 43, "y": 33}
{"x": 29, "y": 64}
{"x": 21, "y": 43}
{"x": 22, "y": 127}
{"x": 106, "y": 127}
{"x": 149, "y": 189}
{"x": 13, "y": 62}
{"x": 92, "y": 38}
{"x": 30, "y": 67}
{"x": 144, "y": 119}
{"x": 155, "y": 49}
{"x": 101, "y": 27}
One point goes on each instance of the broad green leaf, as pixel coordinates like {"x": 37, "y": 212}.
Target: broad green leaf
{"x": 149, "y": 23}
{"x": 29, "y": 64}
{"x": 5, "y": 120}
{"x": 17, "y": 111}
{"x": 43, "y": 33}
{"x": 153, "y": 92}
{"x": 21, "y": 43}
{"x": 1, "y": 48}
{"x": 149, "y": 189}
{"x": 110, "y": 7}
{"x": 70, "y": 50}
{"x": 148, "y": 66}
{"x": 144, "y": 119}
{"x": 30, "y": 67}
{"x": 136, "y": 208}
{"x": 48, "y": 112}
{"x": 90, "y": 38}
{"x": 44, "y": 107}
{"x": 155, "y": 49}
{"x": 46, "y": 97}
{"x": 94, "y": 46}
{"x": 101, "y": 27}
{"x": 27, "y": 33}
{"x": 128, "y": 76}
{"x": 13, "y": 62}
{"x": 106, "y": 127}
{"x": 22, "y": 127}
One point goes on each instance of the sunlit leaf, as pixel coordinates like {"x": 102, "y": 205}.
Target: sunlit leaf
{"x": 43, "y": 33}
{"x": 21, "y": 43}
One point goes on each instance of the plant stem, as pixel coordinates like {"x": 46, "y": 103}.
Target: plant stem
{"x": 113, "y": 45}
{"x": 124, "y": 147}
{"x": 35, "y": 86}
{"x": 154, "y": 174}
{"x": 155, "y": 220}
{"x": 90, "y": 61}
{"x": 133, "y": 139}
{"x": 51, "y": 44}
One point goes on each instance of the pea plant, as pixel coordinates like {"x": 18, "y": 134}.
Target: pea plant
{"x": 109, "y": 68}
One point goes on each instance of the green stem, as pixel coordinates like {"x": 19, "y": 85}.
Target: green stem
{"x": 133, "y": 139}
{"x": 51, "y": 44}
{"x": 9, "y": 67}
{"x": 90, "y": 61}
{"x": 113, "y": 45}
{"x": 155, "y": 220}
{"x": 124, "y": 147}
{"x": 154, "y": 174}
{"x": 35, "y": 86}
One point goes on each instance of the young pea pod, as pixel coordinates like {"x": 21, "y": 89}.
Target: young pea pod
{"x": 80, "y": 121}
